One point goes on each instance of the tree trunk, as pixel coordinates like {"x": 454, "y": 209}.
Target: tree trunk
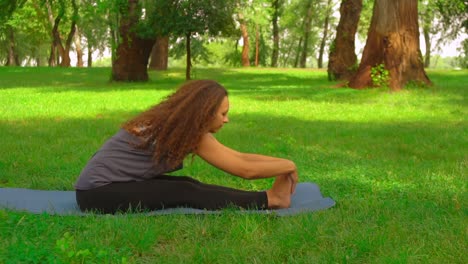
{"x": 342, "y": 61}
{"x": 393, "y": 40}
{"x": 298, "y": 52}
{"x": 57, "y": 42}
{"x": 245, "y": 39}
{"x": 160, "y": 54}
{"x": 307, "y": 27}
{"x": 65, "y": 51}
{"x": 79, "y": 50}
{"x": 427, "y": 41}
{"x": 276, "y": 5}
{"x": 131, "y": 62}
{"x": 52, "y": 59}
{"x": 287, "y": 55}
{"x": 12, "y": 59}
{"x": 257, "y": 44}
{"x": 90, "y": 55}
{"x": 188, "y": 67}
{"x": 325, "y": 34}
{"x": 50, "y": 17}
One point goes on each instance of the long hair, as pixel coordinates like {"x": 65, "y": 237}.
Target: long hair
{"x": 173, "y": 128}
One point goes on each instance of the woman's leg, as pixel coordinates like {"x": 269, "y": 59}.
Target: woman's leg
{"x": 166, "y": 192}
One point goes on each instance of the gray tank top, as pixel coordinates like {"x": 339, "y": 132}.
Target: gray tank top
{"x": 119, "y": 160}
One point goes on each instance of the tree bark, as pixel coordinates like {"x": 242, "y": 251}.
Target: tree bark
{"x": 427, "y": 41}
{"x": 245, "y": 39}
{"x": 393, "y": 40}
{"x": 325, "y": 34}
{"x": 274, "y": 21}
{"x": 53, "y": 60}
{"x": 78, "y": 49}
{"x": 53, "y": 31}
{"x": 65, "y": 51}
{"x": 160, "y": 54}
{"x": 342, "y": 59}
{"x": 90, "y": 55}
{"x": 12, "y": 59}
{"x": 307, "y": 27}
{"x": 131, "y": 62}
{"x": 298, "y": 52}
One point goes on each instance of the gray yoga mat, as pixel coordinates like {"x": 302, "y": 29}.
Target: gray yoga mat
{"x": 307, "y": 198}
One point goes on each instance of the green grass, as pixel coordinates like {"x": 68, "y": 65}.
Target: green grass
{"x": 396, "y": 164}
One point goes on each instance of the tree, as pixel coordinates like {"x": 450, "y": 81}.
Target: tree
{"x": 342, "y": 59}
{"x": 393, "y": 41}
{"x": 55, "y": 21}
{"x": 97, "y": 19}
{"x": 442, "y": 21}
{"x": 307, "y": 28}
{"x": 185, "y": 19}
{"x": 245, "y": 60}
{"x": 8, "y": 8}
{"x": 327, "y": 15}
{"x": 277, "y": 9}
{"x": 252, "y": 16}
{"x": 134, "y": 48}
{"x": 160, "y": 54}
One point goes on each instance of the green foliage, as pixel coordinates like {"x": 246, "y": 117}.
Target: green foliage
{"x": 179, "y": 18}
{"x": 199, "y": 51}
{"x": 380, "y": 76}
{"x": 454, "y": 14}
{"x": 365, "y": 19}
{"x": 31, "y": 36}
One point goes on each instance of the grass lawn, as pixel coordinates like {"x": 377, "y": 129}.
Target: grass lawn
{"x": 395, "y": 163}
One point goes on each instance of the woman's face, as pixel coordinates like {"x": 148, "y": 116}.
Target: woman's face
{"x": 221, "y": 116}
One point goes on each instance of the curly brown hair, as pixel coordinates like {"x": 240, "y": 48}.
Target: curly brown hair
{"x": 173, "y": 128}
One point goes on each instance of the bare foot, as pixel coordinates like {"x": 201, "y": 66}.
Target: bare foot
{"x": 279, "y": 196}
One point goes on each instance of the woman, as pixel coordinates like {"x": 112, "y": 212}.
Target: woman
{"x": 128, "y": 172}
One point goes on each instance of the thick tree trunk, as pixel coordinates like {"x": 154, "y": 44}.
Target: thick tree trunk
{"x": 188, "y": 67}
{"x": 342, "y": 59}
{"x": 160, "y": 54}
{"x": 393, "y": 40}
{"x": 307, "y": 27}
{"x": 325, "y": 34}
{"x": 131, "y": 62}
{"x": 245, "y": 39}
{"x": 12, "y": 59}
{"x": 276, "y": 5}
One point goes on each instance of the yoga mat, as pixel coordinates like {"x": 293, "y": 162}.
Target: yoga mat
{"x": 307, "y": 198}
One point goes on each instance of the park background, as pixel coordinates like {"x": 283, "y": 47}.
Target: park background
{"x": 393, "y": 160}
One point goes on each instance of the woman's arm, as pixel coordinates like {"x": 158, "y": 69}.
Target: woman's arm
{"x": 247, "y": 166}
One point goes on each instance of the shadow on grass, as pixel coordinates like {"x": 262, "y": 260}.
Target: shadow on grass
{"x": 259, "y": 84}
{"x": 348, "y": 160}
{"x": 80, "y": 79}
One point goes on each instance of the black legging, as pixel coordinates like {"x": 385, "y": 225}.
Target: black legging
{"x": 166, "y": 192}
